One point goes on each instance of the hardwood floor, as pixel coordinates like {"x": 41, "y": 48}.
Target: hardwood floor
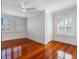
{"x": 58, "y": 50}
{"x": 28, "y": 49}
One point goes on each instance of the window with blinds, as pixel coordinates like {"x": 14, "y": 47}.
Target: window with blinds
{"x": 7, "y": 25}
{"x": 64, "y": 26}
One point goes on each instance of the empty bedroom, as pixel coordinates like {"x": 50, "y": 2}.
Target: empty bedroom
{"x": 39, "y": 29}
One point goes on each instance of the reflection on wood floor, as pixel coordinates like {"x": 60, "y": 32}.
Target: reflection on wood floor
{"x": 28, "y": 49}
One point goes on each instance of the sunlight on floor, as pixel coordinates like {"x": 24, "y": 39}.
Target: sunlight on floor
{"x": 7, "y": 53}
{"x": 63, "y": 55}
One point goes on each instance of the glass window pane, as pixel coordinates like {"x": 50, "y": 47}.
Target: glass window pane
{"x": 64, "y": 26}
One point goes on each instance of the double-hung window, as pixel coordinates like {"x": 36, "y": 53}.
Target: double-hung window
{"x": 64, "y": 26}
{"x": 7, "y": 25}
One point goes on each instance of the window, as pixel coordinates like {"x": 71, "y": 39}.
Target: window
{"x": 1, "y": 21}
{"x": 64, "y": 26}
{"x": 7, "y": 25}
{"x": 5, "y": 21}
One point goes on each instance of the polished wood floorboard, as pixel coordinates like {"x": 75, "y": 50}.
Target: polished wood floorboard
{"x": 28, "y": 49}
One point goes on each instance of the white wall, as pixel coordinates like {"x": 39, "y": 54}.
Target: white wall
{"x": 31, "y": 27}
{"x": 48, "y": 27}
{"x": 66, "y": 39}
{"x": 36, "y": 27}
{"x": 41, "y": 27}
{"x": 20, "y": 30}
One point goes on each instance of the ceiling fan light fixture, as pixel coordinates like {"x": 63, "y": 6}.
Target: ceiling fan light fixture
{"x": 23, "y": 10}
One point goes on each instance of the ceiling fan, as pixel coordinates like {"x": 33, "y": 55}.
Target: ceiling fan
{"x": 29, "y": 10}
{"x": 24, "y": 9}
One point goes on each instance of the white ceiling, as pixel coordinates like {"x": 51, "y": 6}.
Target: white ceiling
{"x": 15, "y": 7}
